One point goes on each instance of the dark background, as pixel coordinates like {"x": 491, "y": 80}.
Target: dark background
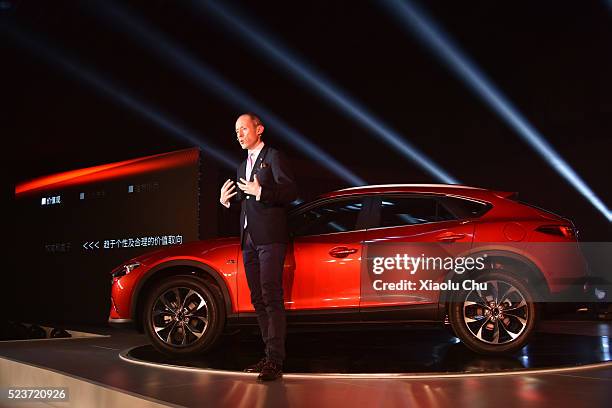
{"x": 552, "y": 59}
{"x": 67, "y": 282}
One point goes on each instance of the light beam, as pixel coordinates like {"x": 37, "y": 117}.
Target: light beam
{"x": 300, "y": 70}
{"x": 106, "y": 87}
{"x": 209, "y": 79}
{"x": 435, "y": 39}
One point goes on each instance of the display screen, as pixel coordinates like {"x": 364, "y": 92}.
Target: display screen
{"x": 75, "y": 227}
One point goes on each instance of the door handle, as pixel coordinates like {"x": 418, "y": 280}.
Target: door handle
{"x": 450, "y": 237}
{"x": 341, "y": 252}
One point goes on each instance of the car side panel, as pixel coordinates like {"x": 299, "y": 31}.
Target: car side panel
{"x": 413, "y": 240}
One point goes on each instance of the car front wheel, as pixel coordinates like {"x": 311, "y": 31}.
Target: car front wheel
{"x": 183, "y": 316}
{"x": 497, "y": 320}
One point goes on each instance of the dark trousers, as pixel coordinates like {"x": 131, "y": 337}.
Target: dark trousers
{"x": 263, "y": 265}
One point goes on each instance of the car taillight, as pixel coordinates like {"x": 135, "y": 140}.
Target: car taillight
{"x": 559, "y": 230}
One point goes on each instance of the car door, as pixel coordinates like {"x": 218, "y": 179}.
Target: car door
{"x": 418, "y": 226}
{"x": 322, "y": 268}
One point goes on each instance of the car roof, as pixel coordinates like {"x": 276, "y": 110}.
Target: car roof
{"x": 448, "y": 189}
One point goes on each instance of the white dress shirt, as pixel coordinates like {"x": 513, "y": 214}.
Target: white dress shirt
{"x": 254, "y": 154}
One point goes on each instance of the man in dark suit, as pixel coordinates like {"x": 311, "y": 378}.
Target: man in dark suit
{"x": 266, "y": 186}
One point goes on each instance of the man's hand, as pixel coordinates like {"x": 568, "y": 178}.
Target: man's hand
{"x": 227, "y": 192}
{"x": 250, "y": 187}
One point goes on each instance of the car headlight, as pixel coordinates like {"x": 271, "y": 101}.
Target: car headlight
{"x": 125, "y": 269}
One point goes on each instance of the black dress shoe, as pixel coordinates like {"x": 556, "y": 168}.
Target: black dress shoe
{"x": 257, "y": 367}
{"x": 270, "y": 372}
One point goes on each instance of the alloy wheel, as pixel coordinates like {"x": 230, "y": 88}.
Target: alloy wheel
{"x": 497, "y": 315}
{"x": 180, "y": 316}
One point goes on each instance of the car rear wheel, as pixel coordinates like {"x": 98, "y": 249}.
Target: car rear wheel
{"x": 183, "y": 316}
{"x": 497, "y": 320}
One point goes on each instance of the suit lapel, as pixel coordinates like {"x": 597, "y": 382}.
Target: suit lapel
{"x": 257, "y": 165}
{"x": 242, "y": 170}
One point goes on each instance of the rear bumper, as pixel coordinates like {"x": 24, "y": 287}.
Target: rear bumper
{"x": 585, "y": 290}
{"x": 590, "y": 292}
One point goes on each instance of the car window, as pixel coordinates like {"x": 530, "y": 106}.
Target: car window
{"x": 397, "y": 211}
{"x": 327, "y": 218}
{"x": 464, "y": 208}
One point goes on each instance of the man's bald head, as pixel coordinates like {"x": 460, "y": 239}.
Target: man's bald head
{"x": 256, "y": 119}
{"x": 249, "y": 129}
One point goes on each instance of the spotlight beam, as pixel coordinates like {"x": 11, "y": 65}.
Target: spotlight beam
{"x": 104, "y": 86}
{"x": 434, "y": 38}
{"x": 211, "y": 80}
{"x": 325, "y": 88}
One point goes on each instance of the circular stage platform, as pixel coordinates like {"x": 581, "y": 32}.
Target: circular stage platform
{"x": 424, "y": 352}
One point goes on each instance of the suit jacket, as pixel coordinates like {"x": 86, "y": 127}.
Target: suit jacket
{"x": 267, "y": 218}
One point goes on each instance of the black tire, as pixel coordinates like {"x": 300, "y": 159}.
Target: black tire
{"x": 191, "y": 329}
{"x": 494, "y": 330}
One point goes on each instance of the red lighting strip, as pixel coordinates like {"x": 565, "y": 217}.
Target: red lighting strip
{"x": 109, "y": 171}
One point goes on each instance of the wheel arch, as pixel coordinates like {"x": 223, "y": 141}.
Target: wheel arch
{"x": 518, "y": 264}
{"x": 179, "y": 267}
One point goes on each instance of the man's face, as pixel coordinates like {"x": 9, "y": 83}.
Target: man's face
{"x": 247, "y": 133}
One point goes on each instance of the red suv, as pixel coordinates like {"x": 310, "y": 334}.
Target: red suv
{"x": 343, "y": 266}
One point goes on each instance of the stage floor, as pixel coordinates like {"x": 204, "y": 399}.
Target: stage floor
{"x": 410, "y": 351}
{"x": 393, "y": 367}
